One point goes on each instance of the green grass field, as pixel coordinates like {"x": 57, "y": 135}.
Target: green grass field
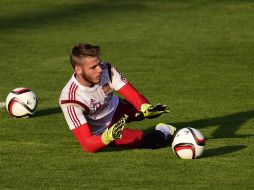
{"x": 195, "y": 56}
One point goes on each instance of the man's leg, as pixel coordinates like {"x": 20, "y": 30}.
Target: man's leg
{"x": 124, "y": 107}
{"x": 130, "y": 138}
{"x": 136, "y": 138}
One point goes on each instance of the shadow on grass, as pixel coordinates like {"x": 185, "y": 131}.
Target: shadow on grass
{"x": 227, "y": 125}
{"x": 114, "y": 149}
{"x": 60, "y": 12}
{"x": 227, "y": 128}
{"x": 48, "y": 111}
{"x": 222, "y": 150}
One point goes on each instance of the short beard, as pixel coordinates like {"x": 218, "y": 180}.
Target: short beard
{"x": 88, "y": 79}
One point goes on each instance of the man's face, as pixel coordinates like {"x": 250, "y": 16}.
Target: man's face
{"x": 90, "y": 70}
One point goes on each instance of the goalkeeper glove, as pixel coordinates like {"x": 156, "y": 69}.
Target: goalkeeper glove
{"x": 114, "y": 132}
{"x": 149, "y": 111}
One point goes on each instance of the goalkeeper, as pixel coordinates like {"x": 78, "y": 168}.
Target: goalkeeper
{"x": 96, "y": 116}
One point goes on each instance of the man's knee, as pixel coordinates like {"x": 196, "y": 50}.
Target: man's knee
{"x": 154, "y": 139}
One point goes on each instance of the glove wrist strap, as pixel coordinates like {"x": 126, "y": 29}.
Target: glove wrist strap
{"x": 145, "y": 106}
{"x": 104, "y": 137}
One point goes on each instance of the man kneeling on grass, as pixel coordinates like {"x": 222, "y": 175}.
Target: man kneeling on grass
{"x": 96, "y": 116}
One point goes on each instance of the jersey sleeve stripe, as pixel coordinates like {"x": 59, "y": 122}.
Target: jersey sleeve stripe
{"x": 76, "y": 87}
{"x": 73, "y": 117}
{"x": 70, "y": 89}
{"x": 76, "y": 117}
{"x": 70, "y": 114}
{"x": 87, "y": 110}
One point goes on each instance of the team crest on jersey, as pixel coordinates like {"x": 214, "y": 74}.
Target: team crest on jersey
{"x": 106, "y": 88}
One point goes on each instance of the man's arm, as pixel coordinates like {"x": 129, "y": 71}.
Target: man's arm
{"x": 74, "y": 116}
{"x": 146, "y": 110}
{"x": 88, "y": 142}
{"x": 133, "y": 96}
{"x": 91, "y": 143}
{"x": 123, "y": 87}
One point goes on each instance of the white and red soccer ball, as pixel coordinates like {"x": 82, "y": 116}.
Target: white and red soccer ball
{"x": 21, "y": 102}
{"x": 188, "y": 143}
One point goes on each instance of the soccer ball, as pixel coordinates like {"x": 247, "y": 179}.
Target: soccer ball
{"x": 188, "y": 143}
{"x": 21, "y": 102}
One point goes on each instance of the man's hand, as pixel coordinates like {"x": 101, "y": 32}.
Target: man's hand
{"x": 149, "y": 111}
{"x": 114, "y": 132}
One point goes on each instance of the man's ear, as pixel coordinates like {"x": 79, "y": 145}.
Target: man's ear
{"x": 78, "y": 70}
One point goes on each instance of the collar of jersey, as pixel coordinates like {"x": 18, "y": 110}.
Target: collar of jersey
{"x": 82, "y": 86}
